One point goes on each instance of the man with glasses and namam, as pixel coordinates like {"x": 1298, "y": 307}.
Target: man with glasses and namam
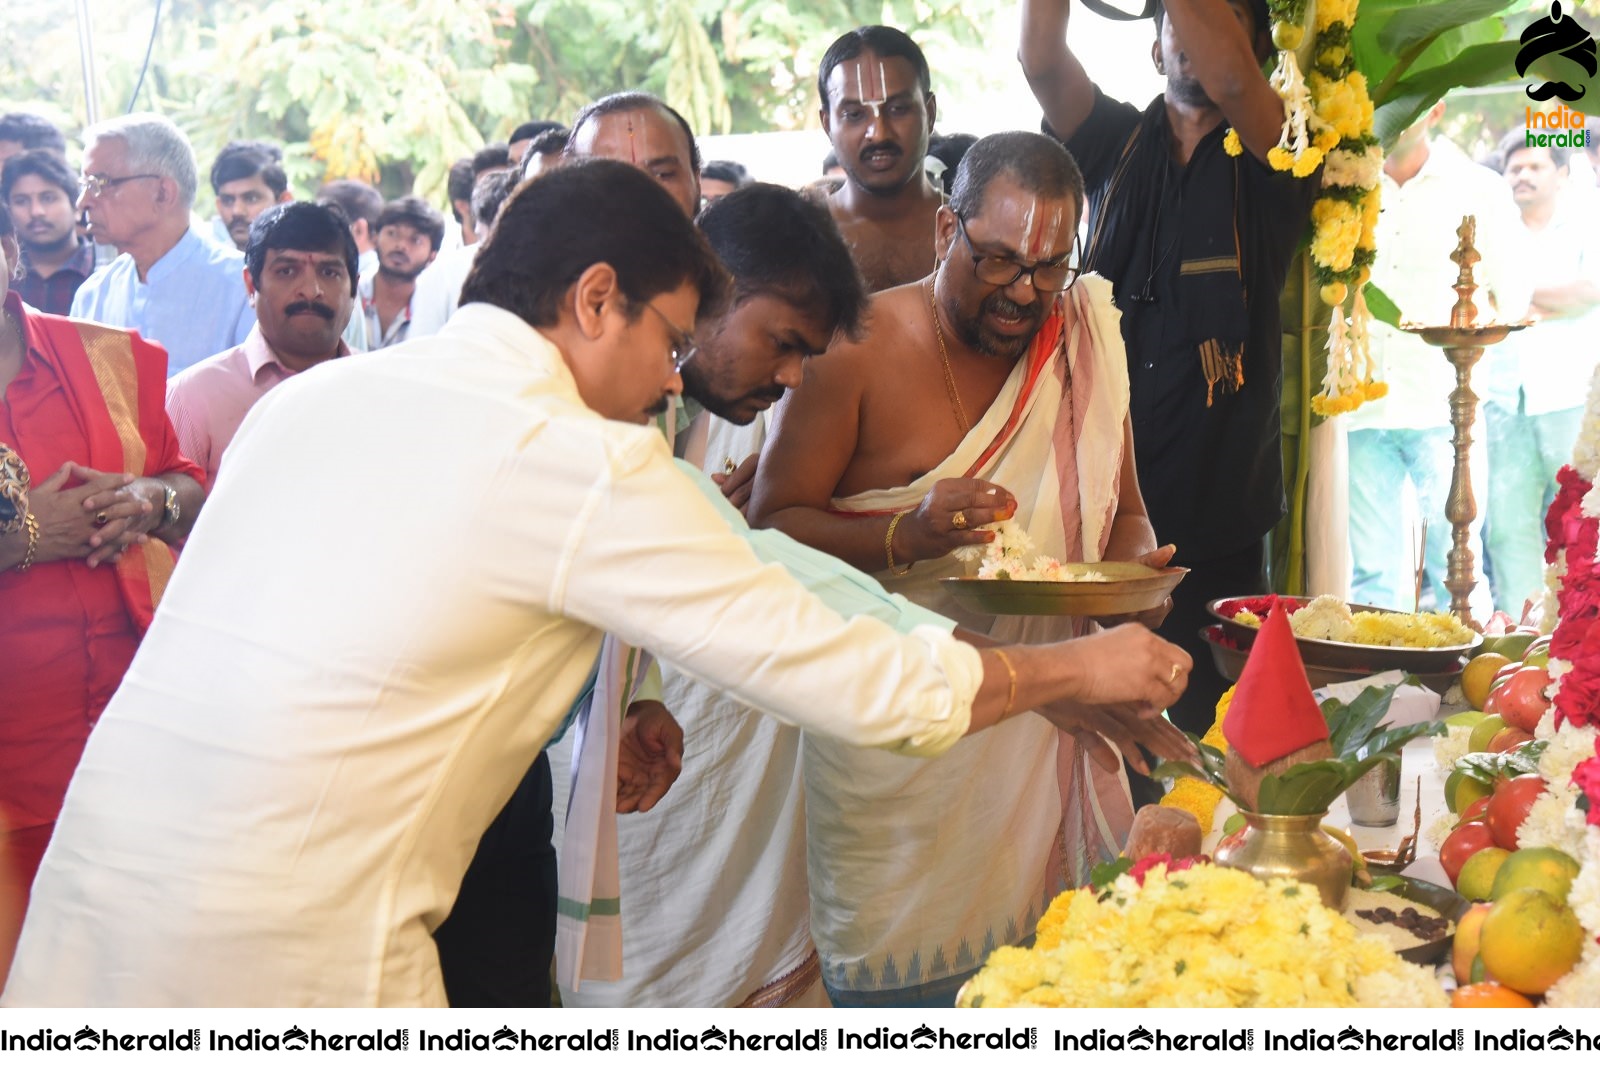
{"x": 171, "y": 283}
{"x": 995, "y": 388}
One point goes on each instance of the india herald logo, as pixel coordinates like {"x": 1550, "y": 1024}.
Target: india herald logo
{"x": 1556, "y": 34}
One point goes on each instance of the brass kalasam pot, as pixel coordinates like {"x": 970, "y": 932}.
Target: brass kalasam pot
{"x": 1291, "y": 847}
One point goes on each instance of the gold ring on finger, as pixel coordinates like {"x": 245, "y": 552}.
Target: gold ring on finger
{"x": 1172, "y": 676}
{"x": 959, "y": 520}
{"x": 101, "y": 519}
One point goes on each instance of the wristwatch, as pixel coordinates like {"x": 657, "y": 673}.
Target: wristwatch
{"x": 170, "y": 511}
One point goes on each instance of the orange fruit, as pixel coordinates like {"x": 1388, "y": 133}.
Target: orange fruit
{"x": 1488, "y": 996}
{"x": 1478, "y": 674}
{"x": 1529, "y": 940}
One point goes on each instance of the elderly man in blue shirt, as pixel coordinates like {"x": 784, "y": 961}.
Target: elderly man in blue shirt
{"x": 170, "y": 282}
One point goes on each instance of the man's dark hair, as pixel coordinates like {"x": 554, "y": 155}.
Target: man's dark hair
{"x": 31, "y": 131}
{"x": 829, "y": 162}
{"x": 7, "y": 227}
{"x": 247, "y": 159}
{"x": 727, "y": 170}
{"x": 636, "y": 100}
{"x": 1038, "y": 163}
{"x": 949, "y": 149}
{"x": 488, "y": 158}
{"x": 458, "y": 185}
{"x": 529, "y": 130}
{"x": 42, "y": 163}
{"x": 587, "y": 212}
{"x": 305, "y": 227}
{"x": 775, "y": 241}
{"x": 885, "y": 41}
{"x": 1516, "y": 140}
{"x": 415, "y": 213}
{"x": 490, "y": 194}
{"x": 356, "y": 199}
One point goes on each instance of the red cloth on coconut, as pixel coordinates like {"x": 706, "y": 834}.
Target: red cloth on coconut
{"x": 1273, "y": 713}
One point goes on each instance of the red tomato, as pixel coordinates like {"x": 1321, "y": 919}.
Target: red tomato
{"x": 1464, "y": 841}
{"x": 1509, "y": 807}
{"x": 1522, "y": 702}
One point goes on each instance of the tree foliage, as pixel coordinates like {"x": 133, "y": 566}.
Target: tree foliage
{"x": 394, "y": 90}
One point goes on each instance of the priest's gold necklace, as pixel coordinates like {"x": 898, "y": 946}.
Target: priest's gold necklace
{"x": 944, "y": 358}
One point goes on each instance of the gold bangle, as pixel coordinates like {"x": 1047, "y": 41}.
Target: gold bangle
{"x": 888, "y": 545}
{"x": 1011, "y": 693}
{"x": 30, "y": 521}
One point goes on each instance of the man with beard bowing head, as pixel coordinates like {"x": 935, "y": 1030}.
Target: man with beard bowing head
{"x": 1197, "y": 244}
{"x": 996, "y": 388}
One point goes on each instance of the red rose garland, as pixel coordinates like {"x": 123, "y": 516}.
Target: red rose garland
{"x": 1576, "y": 640}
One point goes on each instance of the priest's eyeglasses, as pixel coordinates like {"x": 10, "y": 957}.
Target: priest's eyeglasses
{"x": 683, "y": 345}
{"x": 1049, "y": 277}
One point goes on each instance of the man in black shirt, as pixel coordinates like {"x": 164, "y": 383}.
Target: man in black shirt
{"x": 1197, "y": 245}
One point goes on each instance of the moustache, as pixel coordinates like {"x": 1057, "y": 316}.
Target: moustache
{"x": 891, "y": 150}
{"x": 1570, "y": 93}
{"x": 311, "y": 306}
{"x": 660, "y": 406}
{"x": 1001, "y": 305}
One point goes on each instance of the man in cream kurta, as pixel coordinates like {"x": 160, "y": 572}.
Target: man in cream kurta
{"x": 279, "y": 804}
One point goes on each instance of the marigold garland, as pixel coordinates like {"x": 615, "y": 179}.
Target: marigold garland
{"x": 1328, "y": 124}
{"x": 1199, "y": 799}
{"x": 1202, "y": 937}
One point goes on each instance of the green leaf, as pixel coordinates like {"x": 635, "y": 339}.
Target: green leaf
{"x": 1382, "y": 884}
{"x": 1103, "y": 875}
{"x": 1382, "y": 307}
{"x": 1304, "y": 789}
{"x": 1396, "y": 738}
{"x": 1350, "y": 725}
{"x": 1233, "y": 823}
{"x": 1406, "y": 101}
{"x": 1410, "y": 26}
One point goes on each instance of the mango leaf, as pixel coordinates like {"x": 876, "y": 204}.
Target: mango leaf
{"x": 1350, "y": 725}
{"x": 1410, "y": 26}
{"x": 1382, "y": 307}
{"x": 1382, "y": 884}
{"x": 1394, "y": 739}
{"x": 1304, "y": 789}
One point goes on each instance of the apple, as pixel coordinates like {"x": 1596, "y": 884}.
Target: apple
{"x": 1509, "y": 739}
{"x": 1489, "y": 726}
{"x": 1509, "y": 807}
{"x": 1475, "y": 812}
{"x": 1460, "y": 845}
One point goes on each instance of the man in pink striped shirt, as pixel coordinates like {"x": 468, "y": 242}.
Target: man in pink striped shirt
{"x": 300, "y": 272}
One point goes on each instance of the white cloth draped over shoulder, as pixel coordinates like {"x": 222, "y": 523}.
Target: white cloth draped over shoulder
{"x": 918, "y": 871}
{"x": 278, "y": 805}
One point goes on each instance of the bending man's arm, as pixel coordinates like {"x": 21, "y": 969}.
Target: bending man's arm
{"x": 1057, "y": 79}
{"x": 653, "y": 563}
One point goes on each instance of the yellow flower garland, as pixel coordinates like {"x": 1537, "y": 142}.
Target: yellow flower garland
{"x": 1328, "y": 125}
{"x": 1193, "y": 796}
{"x": 1204, "y": 937}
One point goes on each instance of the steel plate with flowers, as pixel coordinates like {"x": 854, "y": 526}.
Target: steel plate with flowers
{"x": 1108, "y": 588}
{"x": 1354, "y": 637}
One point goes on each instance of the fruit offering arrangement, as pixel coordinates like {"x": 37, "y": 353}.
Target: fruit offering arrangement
{"x": 1518, "y": 843}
